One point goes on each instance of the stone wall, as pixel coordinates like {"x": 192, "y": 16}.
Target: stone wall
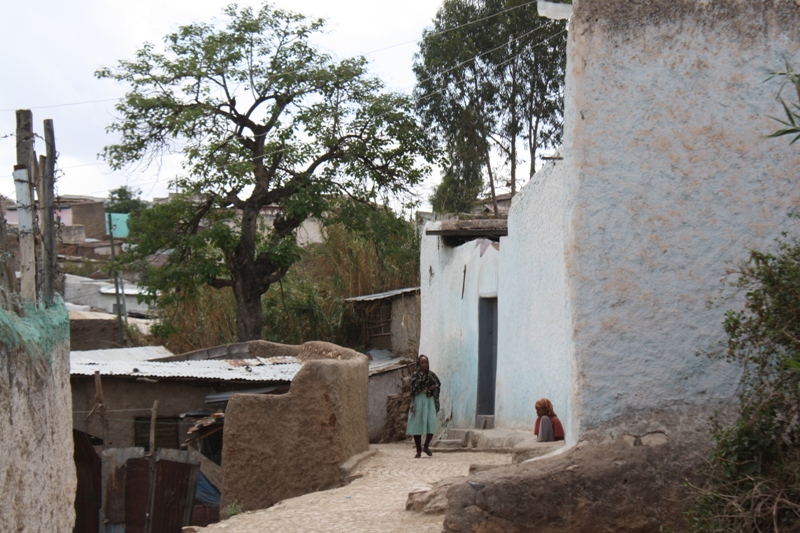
{"x": 535, "y": 346}
{"x": 669, "y": 180}
{"x": 37, "y": 473}
{"x": 278, "y": 447}
{"x": 381, "y": 386}
{"x": 405, "y": 324}
{"x": 92, "y": 217}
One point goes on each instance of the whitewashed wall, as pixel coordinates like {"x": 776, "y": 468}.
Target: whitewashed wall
{"x": 535, "y": 347}
{"x": 449, "y": 329}
{"x": 669, "y": 179}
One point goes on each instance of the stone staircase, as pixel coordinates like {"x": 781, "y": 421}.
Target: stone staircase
{"x": 521, "y": 444}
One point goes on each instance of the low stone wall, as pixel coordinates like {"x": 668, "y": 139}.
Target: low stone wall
{"x": 37, "y": 472}
{"x": 278, "y": 447}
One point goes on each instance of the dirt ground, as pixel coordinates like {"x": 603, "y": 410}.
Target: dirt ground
{"x": 374, "y": 502}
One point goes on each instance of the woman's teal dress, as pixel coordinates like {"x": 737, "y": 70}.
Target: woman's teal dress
{"x": 422, "y": 420}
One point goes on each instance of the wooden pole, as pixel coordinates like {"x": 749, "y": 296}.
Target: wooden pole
{"x": 153, "y": 417}
{"x": 27, "y": 245}
{"x": 8, "y": 283}
{"x": 41, "y": 255}
{"x": 101, "y": 407}
{"x": 24, "y": 188}
{"x": 148, "y": 527}
{"x": 47, "y": 194}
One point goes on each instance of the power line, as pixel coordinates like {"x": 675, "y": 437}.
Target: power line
{"x": 66, "y": 105}
{"x": 528, "y": 49}
{"x": 461, "y": 64}
{"x": 441, "y": 32}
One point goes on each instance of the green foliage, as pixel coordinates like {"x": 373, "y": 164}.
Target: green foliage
{"x": 792, "y": 111}
{"x": 366, "y": 250}
{"x": 124, "y": 200}
{"x": 753, "y": 477}
{"x": 232, "y": 509}
{"x": 263, "y": 120}
{"x": 483, "y": 86}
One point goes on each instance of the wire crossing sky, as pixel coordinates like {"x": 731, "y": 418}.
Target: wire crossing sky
{"x": 59, "y": 45}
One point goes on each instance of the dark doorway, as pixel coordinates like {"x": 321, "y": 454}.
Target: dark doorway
{"x": 487, "y": 361}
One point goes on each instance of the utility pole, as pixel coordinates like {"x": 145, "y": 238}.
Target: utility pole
{"x": 116, "y": 283}
{"x": 24, "y": 189}
{"x": 46, "y": 195}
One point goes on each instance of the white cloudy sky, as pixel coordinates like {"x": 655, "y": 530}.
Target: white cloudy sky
{"x": 49, "y": 50}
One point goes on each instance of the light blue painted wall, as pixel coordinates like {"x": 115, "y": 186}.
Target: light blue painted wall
{"x": 535, "y": 348}
{"x": 120, "y": 223}
{"x": 449, "y": 329}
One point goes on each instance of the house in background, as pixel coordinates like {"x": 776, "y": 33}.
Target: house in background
{"x": 391, "y": 320}
{"x": 101, "y": 295}
{"x": 459, "y": 309}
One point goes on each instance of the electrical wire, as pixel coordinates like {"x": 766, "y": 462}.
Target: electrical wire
{"x": 440, "y": 32}
{"x": 429, "y": 95}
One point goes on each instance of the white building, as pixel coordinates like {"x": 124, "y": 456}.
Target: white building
{"x": 613, "y": 253}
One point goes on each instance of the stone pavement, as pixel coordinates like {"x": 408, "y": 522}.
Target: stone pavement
{"x": 374, "y": 502}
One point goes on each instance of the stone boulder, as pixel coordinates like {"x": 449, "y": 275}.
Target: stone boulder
{"x": 627, "y": 477}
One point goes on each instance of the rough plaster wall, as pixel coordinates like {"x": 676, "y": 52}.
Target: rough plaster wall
{"x": 405, "y": 325}
{"x": 449, "y": 330}
{"x": 128, "y": 399}
{"x": 380, "y": 386}
{"x": 670, "y": 178}
{"x": 92, "y": 216}
{"x": 535, "y": 340}
{"x": 278, "y": 447}
{"x": 37, "y": 472}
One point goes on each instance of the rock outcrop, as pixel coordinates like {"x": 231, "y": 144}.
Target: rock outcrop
{"x": 629, "y": 477}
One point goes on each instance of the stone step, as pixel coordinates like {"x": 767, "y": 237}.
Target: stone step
{"x": 448, "y": 444}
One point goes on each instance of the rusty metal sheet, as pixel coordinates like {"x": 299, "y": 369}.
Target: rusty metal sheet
{"x": 113, "y": 482}
{"x": 89, "y": 495}
{"x": 137, "y": 490}
{"x": 175, "y": 486}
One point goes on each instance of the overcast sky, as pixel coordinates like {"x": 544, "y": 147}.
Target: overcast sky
{"x": 51, "y": 49}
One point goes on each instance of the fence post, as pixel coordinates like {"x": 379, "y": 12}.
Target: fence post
{"x": 48, "y": 171}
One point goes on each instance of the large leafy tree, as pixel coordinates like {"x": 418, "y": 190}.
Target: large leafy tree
{"x": 490, "y": 74}
{"x": 261, "y": 118}
{"x": 125, "y": 200}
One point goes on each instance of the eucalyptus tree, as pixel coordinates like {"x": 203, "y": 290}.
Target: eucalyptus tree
{"x": 260, "y": 118}
{"x": 491, "y": 72}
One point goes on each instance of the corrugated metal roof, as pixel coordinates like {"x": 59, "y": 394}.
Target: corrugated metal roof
{"x": 384, "y": 360}
{"x": 381, "y": 295}
{"x": 127, "y": 289}
{"x": 142, "y": 353}
{"x": 252, "y": 369}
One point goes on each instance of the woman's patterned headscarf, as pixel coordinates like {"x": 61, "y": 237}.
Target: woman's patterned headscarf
{"x": 426, "y": 382}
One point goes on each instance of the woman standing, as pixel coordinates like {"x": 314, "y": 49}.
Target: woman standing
{"x": 548, "y": 426}
{"x": 424, "y": 405}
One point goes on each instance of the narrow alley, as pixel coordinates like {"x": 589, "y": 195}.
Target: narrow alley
{"x": 374, "y": 502}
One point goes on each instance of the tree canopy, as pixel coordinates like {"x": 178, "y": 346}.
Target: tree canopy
{"x": 490, "y": 73}
{"x": 262, "y": 119}
{"x": 124, "y": 200}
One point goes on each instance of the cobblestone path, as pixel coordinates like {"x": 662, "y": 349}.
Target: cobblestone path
{"x": 372, "y": 503}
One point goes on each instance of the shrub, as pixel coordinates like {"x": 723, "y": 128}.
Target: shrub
{"x": 753, "y": 477}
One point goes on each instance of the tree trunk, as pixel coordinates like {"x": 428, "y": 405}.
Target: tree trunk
{"x": 488, "y": 159}
{"x": 249, "y": 315}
